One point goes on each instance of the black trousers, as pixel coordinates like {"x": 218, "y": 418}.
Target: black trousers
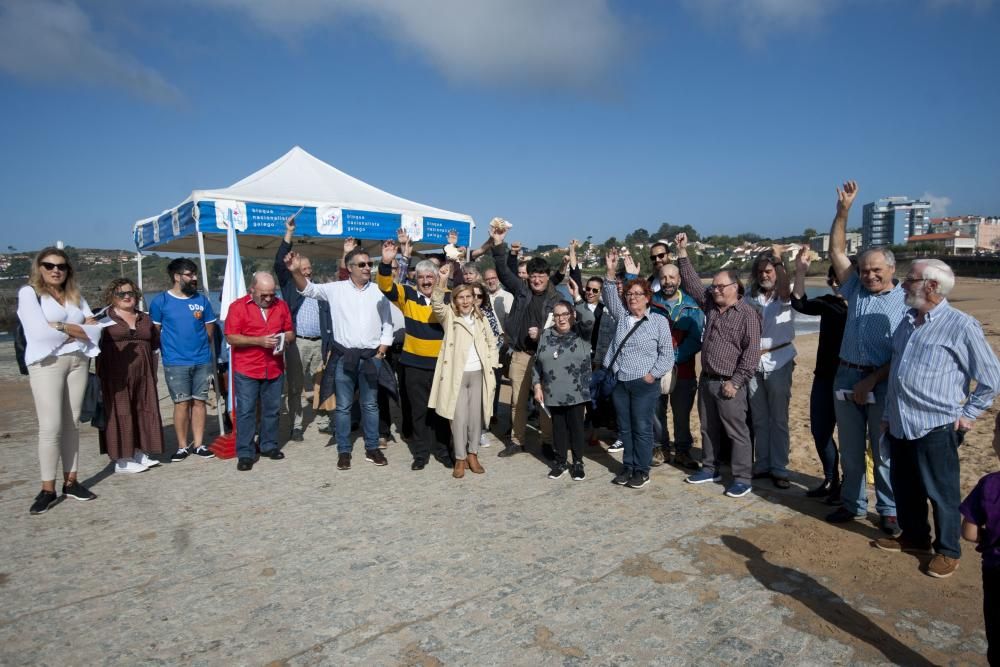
{"x": 431, "y": 433}
{"x": 567, "y": 431}
{"x": 991, "y": 613}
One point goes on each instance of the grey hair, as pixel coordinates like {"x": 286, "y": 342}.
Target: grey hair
{"x": 890, "y": 259}
{"x": 471, "y": 266}
{"x": 257, "y": 275}
{"x": 426, "y": 266}
{"x": 939, "y": 272}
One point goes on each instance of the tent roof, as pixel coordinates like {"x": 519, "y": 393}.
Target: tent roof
{"x": 298, "y": 177}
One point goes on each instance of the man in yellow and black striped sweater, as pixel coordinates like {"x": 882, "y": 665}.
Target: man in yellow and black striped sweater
{"x": 419, "y": 357}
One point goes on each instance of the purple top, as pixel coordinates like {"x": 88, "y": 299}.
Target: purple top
{"x": 982, "y": 508}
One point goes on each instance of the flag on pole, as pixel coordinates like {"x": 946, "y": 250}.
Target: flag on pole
{"x": 233, "y": 287}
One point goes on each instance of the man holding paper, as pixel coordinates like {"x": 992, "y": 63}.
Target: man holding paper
{"x": 875, "y": 307}
{"x": 258, "y": 328}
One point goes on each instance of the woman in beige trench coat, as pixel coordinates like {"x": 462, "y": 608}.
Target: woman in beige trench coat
{"x": 464, "y": 381}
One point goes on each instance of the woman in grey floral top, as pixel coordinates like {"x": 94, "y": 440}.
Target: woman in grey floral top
{"x": 561, "y": 379}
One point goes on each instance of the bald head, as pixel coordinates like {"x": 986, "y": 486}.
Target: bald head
{"x": 262, "y": 289}
{"x": 670, "y": 280}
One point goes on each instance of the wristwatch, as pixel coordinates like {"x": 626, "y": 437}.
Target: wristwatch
{"x": 61, "y": 326}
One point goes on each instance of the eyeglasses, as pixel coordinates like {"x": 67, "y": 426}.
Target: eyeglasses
{"x": 129, "y": 294}
{"x": 364, "y": 265}
{"x": 659, "y": 255}
{"x": 188, "y": 274}
{"x": 634, "y": 295}
{"x": 49, "y": 266}
{"x": 592, "y": 290}
{"x": 554, "y": 315}
{"x": 719, "y": 288}
{"x": 910, "y": 280}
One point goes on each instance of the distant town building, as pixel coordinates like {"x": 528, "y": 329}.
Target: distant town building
{"x": 949, "y": 243}
{"x": 892, "y": 220}
{"x": 986, "y": 230}
{"x": 821, "y": 244}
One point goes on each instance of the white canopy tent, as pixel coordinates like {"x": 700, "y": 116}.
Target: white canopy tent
{"x": 329, "y": 206}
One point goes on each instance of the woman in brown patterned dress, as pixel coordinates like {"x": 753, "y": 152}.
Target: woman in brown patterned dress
{"x": 127, "y": 368}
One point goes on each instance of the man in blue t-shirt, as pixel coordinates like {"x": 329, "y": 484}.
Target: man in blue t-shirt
{"x": 186, "y": 323}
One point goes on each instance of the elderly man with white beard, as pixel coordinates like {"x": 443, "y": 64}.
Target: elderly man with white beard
{"x": 937, "y": 351}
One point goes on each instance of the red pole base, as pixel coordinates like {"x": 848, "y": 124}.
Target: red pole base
{"x": 224, "y": 447}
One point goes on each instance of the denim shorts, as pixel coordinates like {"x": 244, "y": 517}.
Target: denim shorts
{"x": 188, "y": 382}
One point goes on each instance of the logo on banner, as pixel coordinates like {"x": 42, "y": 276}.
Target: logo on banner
{"x": 329, "y": 220}
{"x": 232, "y": 213}
{"x": 175, "y": 222}
{"x": 414, "y": 226}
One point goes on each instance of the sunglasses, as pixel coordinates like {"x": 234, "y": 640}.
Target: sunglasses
{"x": 49, "y": 266}
{"x": 364, "y": 265}
{"x": 591, "y": 290}
{"x": 659, "y": 255}
{"x": 125, "y": 295}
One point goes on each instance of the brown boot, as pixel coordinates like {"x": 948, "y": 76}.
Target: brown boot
{"x": 459, "y": 470}
{"x": 473, "y": 462}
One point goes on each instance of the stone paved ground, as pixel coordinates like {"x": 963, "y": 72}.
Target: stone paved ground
{"x": 296, "y": 563}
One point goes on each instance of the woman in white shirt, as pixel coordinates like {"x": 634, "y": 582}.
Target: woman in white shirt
{"x": 462, "y": 391}
{"x": 61, "y": 338}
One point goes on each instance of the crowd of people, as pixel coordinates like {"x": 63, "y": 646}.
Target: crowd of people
{"x": 894, "y": 375}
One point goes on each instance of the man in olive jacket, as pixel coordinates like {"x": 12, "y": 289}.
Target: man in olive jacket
{"x": 534, "y": 299}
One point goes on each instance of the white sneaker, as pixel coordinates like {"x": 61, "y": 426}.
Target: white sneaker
{"x": 128, "y": 466}
{"x": 143, "y": 459}
{"x": 484, "y": 439}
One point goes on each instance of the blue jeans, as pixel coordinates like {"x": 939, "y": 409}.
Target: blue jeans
{"x": 769, "y": 395}
{"x": 859, "y": 427}
{"x": 346, "y": 382}
{"x": 248, "y": 392}
{"x": 681, "y": 401}
{"x": 635, "y": 402}
{"x": 822, "y": 421}
{"x": 927, "y": 469}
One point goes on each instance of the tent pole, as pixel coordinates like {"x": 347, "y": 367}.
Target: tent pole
{"x": 138, "y": 264}
{"x": 468, "y": 250}
{"x": 218, "y": 332}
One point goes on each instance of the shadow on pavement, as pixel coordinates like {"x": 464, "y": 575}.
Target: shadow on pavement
{"x": 823, "y": 602}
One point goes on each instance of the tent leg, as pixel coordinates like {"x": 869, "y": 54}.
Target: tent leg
{"x": 138, "y": 264}
{"x": 219, "y": 401}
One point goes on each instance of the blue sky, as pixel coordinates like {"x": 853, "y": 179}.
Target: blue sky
{"x": 567, "y": 117}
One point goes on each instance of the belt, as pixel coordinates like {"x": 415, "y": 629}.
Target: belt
{"x": 715, "y": 376}
{"x": 776, "y": 347}
{"x": 847, "y": 364}
{"x": 309, "y": 337}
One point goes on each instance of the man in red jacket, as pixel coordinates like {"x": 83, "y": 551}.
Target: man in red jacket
{"x": 258, "y": 326}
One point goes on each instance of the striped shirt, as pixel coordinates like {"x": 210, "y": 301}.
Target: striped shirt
{"x": 871, "y": 320}
{"x": 649, "y": 350}
{"x": 731, "y": 343}
{"x": 423, "y": 332}
{"x": 932, "y": 367}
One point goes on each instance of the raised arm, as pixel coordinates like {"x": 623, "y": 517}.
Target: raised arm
{"x": 690, "y": 282}
{"x": 507, "y": 277}
{"x": 838, "y": 232}
{"x": 285, "y": 247}
{"x": 384, "y": 278}
{"x": 294, "y": 266}
{"x": 612, "y": 302}
{"x": 782, "y": 285}
{"x": 438, "y": 306}
{"x": 802, "y": 263}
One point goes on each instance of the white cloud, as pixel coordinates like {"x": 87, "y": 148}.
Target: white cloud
{"x": 939, "y": 205}
{"x": 757, "y": 19}
{"x": 562, "y": 43}
{"x": 53, "y": 40}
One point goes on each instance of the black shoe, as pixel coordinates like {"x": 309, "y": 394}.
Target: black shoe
{"x": 842, "y": 515}
{"x": 344, "y": 461}
{"x": 889, "y": 525}
{"x": 548, "y": 452}
{"x": 510, "y": 450}
{"x": 821, "y": 491}
{"x": 203, "y": 452}
{"x": 761, "y": 475}
{"x": 181, "y": 454}
{"x": 638, "y": 480}
{"x": 297, "y": 435}
{"x": 558, "y": 470}
{"x": 448, "y": 463}
{"x": 275, "y": 455}
{"x": 834, "y": 497}
{"x": 78, "y": 491}
{"x": 418, "y": 464}
{"x": 576, "y": 471}
{"x": 43, "y": 501}
{"x": 781, "y": 483}
{"x": 622, "y": 478}
{"x": 376, "y": 456}
{"x": 244, "y": 464}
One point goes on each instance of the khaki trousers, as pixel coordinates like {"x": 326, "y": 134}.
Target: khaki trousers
{"x": 521, "y": 364}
